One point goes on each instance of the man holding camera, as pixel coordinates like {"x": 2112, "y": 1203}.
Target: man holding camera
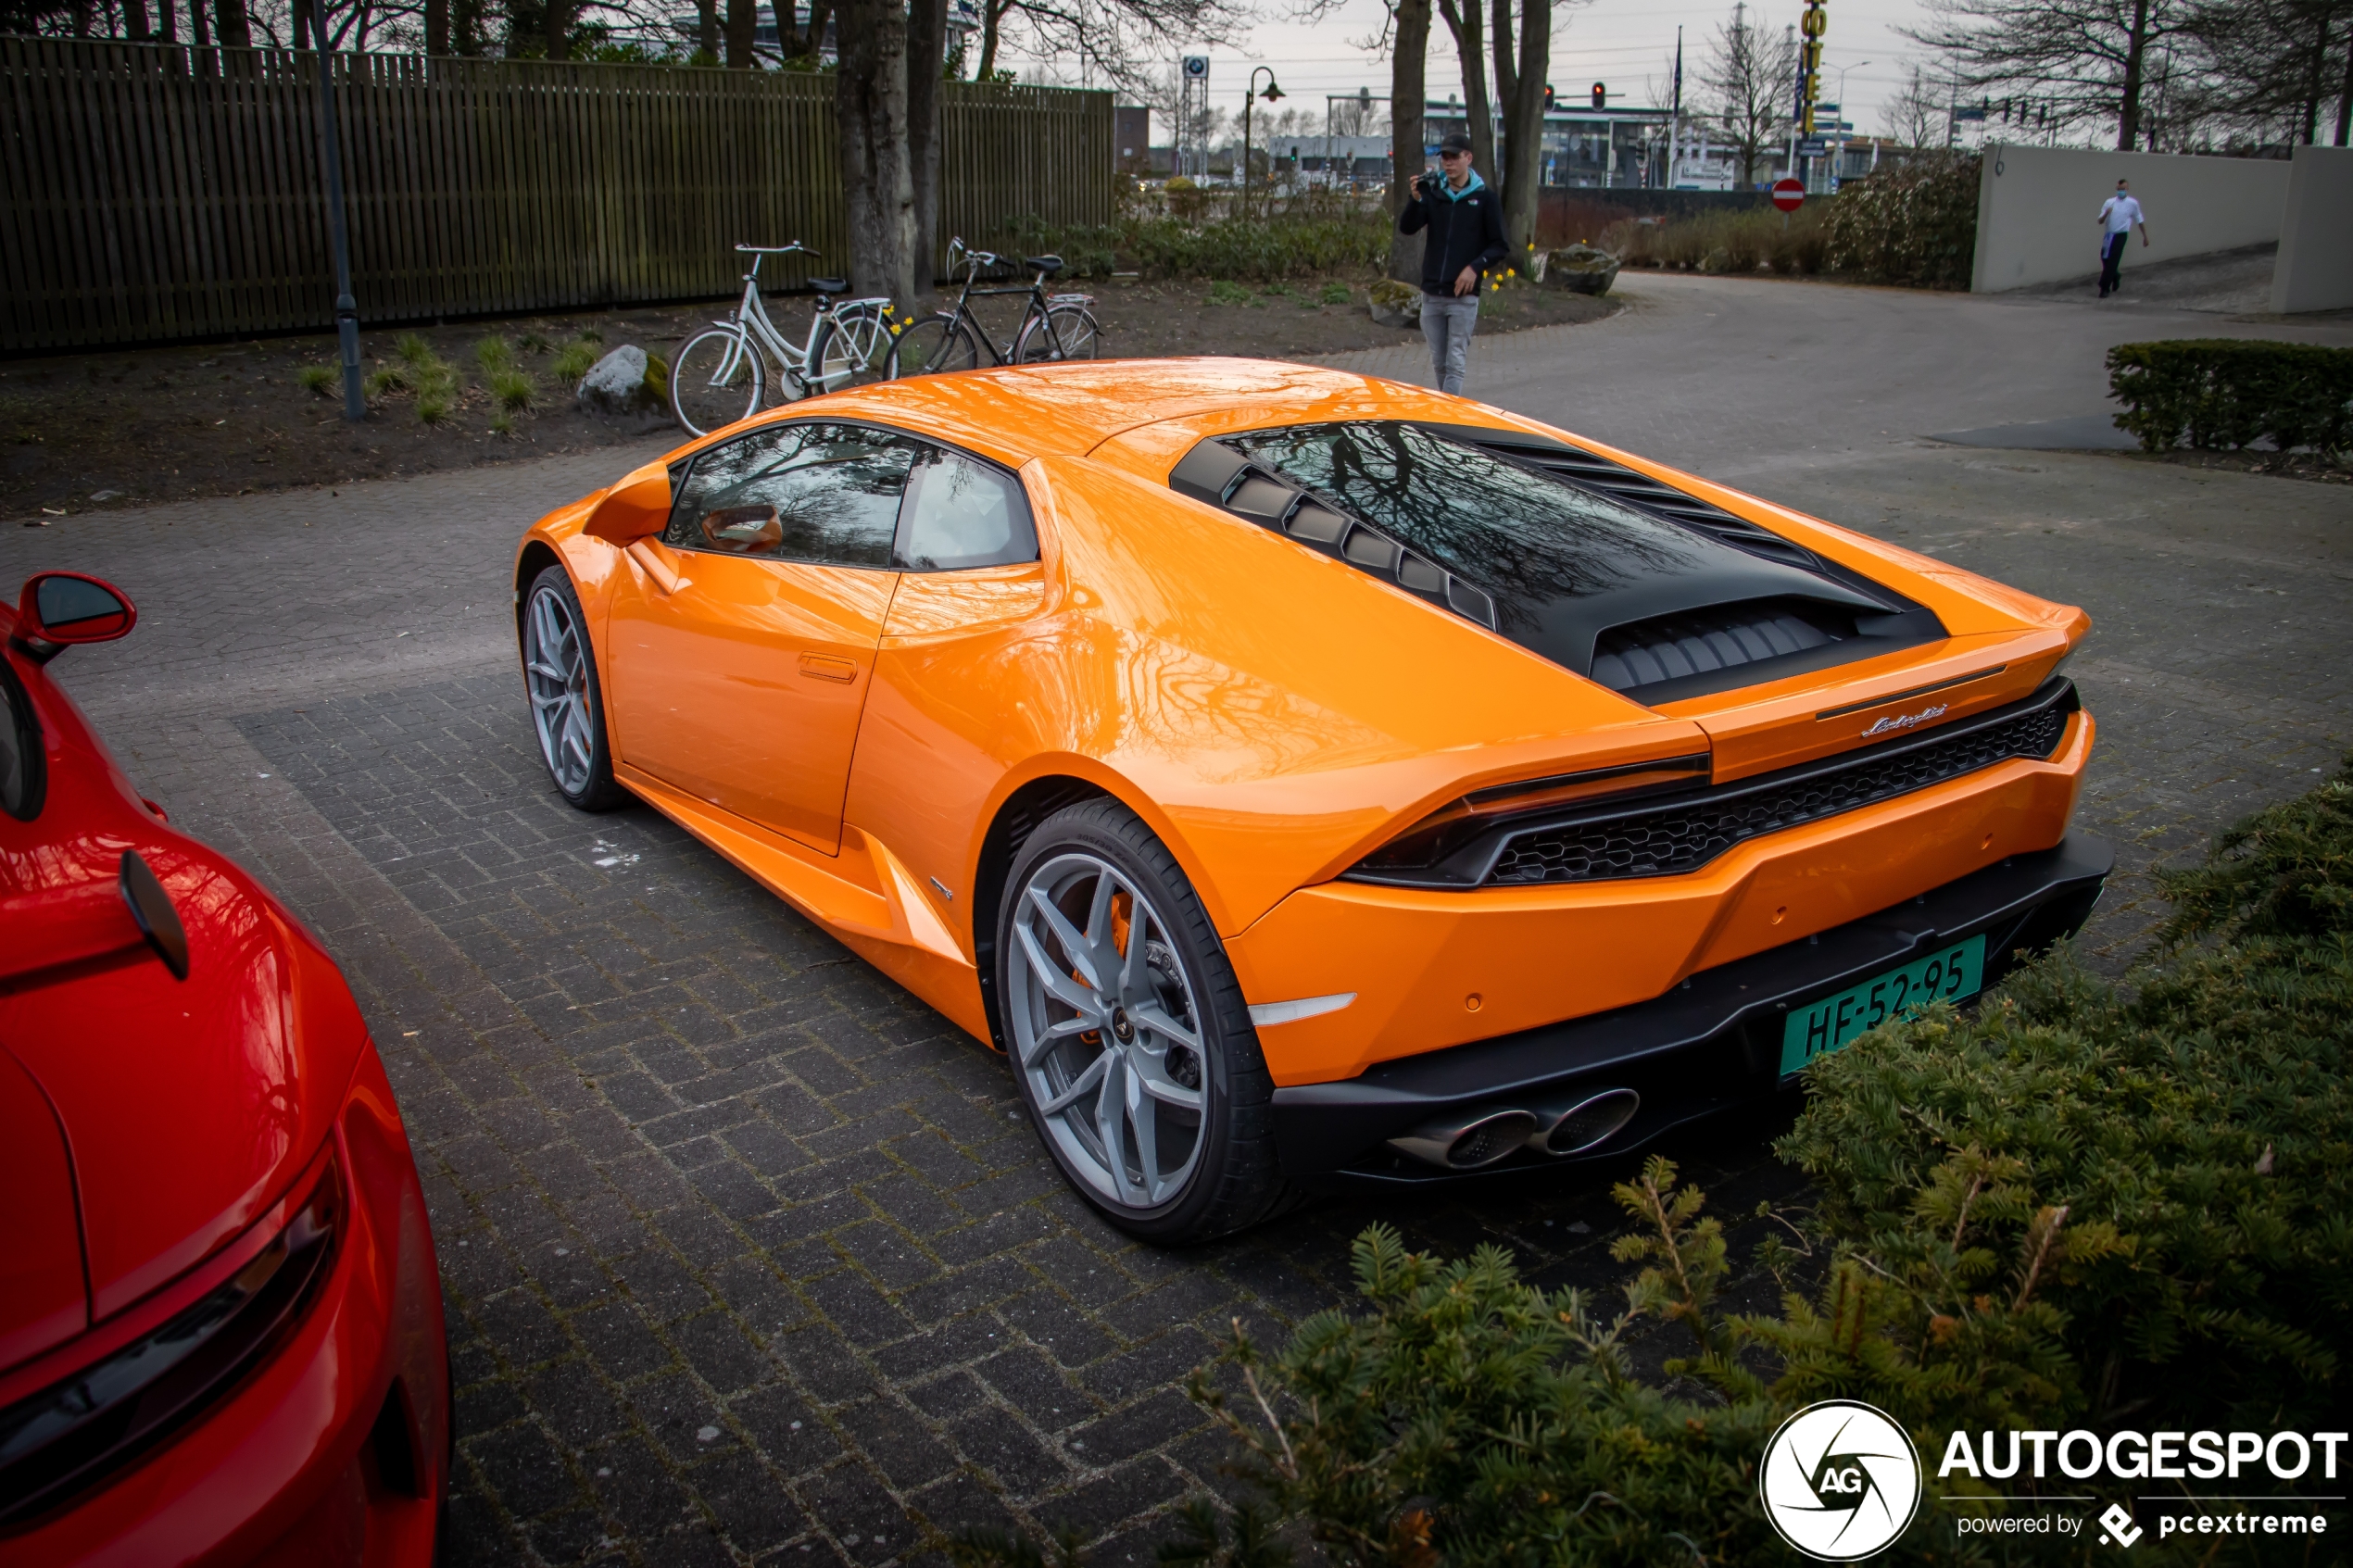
{"x": 1465, "y": 224}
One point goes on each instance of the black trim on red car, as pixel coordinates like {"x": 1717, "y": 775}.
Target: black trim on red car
{"x": 72, "y": 1434}
{"x": 1711, "y": 1044}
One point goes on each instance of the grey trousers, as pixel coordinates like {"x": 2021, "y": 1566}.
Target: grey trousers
{"x": 1448, "y": 320}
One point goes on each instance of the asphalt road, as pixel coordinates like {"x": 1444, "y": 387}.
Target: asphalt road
{"x": 746, "y": 1258}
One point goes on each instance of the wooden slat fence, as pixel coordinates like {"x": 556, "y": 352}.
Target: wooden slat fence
{"x": 158, "y": 191}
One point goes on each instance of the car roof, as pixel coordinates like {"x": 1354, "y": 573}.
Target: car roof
{"x": 1019, "y": 412}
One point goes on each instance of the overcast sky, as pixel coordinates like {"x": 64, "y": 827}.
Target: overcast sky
{"x": 1627, "y": 44}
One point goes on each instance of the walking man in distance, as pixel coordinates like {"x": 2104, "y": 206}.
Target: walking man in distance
{"x": 2119, "y": 215}
{"x": 1465, "y": 224}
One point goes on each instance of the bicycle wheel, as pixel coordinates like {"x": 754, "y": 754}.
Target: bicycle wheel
{"x": 715, "y": 380}
{"x": 933, "y": 345}
{"x": 1067, "y": 332}
{"x": 852, "y": 350}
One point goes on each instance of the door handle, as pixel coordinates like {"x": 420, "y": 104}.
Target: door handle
{"x": 653, "y": 565}
{"x": 824, "y": 667}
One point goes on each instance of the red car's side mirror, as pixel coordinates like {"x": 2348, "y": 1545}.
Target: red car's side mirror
{"x": 639, "y": 504}
{"x": 64, "y": 607}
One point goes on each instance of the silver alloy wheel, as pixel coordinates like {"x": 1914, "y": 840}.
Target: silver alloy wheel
{"x": 1107, "y": 1039}
{"x": 556, "y": 668}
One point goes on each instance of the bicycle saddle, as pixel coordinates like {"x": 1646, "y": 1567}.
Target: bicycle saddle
{"x": 830, "y": 285}
{"x": 1047, "y": 264}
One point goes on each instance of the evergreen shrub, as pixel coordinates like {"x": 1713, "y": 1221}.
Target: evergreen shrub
{"x": 1914, "y": 226}
{"x": 2085, "y": 1205}
{"x": 2232, "y": 392}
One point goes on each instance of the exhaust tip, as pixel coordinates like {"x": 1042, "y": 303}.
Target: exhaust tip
{"x": 1587, "y": 1123}
{"x": 1460, "y": 1144}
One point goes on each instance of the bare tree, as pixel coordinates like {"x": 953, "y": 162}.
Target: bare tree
{"x": 1751, "y": 78}
{"x": 1470, "y": 28}
{"x": 926, "y": 52}
{"x": 2269, "y": 67}
{"x": 1118, "y": 42}
{"x": 870, "y": 100}
{"x": 1519, "y": 83}
{"x": 2089, "y": 58}
{"x": 1915, "y": 117}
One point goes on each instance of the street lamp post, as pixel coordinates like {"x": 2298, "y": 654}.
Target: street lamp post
{"x": 1251, "y": 92}
{"x": 1838, "y": 164}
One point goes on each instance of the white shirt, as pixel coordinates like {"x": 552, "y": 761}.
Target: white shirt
{"x": 2121, "y": 212}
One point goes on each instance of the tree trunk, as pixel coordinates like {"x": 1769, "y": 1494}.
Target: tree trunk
{"x": 1407, "y": 94}
{"x": 992, "y": 14}
{"x": 706, "y": 30}
{"x": 304, "y": 26}
{"x": 1468, "y": 28}
{"x": 743, "y": 26}
{"x": 229, "y": 24}
{"x": 437, "y": 26}
{"x": 198, "y": 27}
{"x": 819, "y": 17}
{"x": 168, "y": 28}
{"x": 2128, "y": 118}
{"x": 135, "y": 20}
{"x": 787, "y": 42}
{"x": 2344, "y": 99}
{"x": 926, "y": 60}
{"x": 2317, "y": 88}
{"x": 1522, "y": 88}
{"x": 870, "y": 96}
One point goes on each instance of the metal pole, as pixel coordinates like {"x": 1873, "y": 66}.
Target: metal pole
{"x": 355, "y": 404}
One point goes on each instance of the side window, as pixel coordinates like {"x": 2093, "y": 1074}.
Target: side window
{"x": 805, "y": 493}
{"x": 962, "y": 513}
{"x": 23, "y": 770}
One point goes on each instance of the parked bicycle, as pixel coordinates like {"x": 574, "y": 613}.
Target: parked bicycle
{"x": 721, "y": 375}
{"x": 1052, "y": 327}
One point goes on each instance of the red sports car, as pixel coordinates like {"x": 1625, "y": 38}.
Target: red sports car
{"x": 220, "y": 1336}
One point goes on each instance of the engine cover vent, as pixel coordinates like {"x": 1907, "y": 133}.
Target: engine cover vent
{"x": 1689, "y": 643}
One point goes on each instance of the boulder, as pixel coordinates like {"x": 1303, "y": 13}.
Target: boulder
{"x": 1582, "y": 268}
{"x": 626, "y": 380}
{"x": 1393, "y": 304}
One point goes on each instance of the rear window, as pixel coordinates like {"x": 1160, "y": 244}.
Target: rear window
{"x": 1524, "y": 536}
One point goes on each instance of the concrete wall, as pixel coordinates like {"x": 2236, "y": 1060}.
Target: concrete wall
{"x": 2036, "y": 208}
{"x": 2315, "y": 267}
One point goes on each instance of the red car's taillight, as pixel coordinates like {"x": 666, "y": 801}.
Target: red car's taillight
{"x": 81, "y": 1428}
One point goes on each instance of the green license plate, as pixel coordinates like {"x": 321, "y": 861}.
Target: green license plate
{"x": 1821, "y": 1027}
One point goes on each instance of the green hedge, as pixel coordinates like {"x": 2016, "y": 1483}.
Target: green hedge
{"x": 1255, "y": 249}
{"x": 2232, "y": 392}
{"x": 2084, "y": 1205}
{"x": 1915, "y": 226}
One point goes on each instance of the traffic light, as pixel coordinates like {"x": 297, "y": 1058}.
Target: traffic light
{"x": 1548, "y": 98}
{"x": 1601, "y": 96}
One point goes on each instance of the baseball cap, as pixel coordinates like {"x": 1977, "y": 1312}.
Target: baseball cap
{"x": 1454, "y": 142}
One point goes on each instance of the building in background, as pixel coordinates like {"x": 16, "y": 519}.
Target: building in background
{"x": 1604, "y": 148}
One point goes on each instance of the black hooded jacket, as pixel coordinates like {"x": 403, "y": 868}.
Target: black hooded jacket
{"x": 1465, "y": 230}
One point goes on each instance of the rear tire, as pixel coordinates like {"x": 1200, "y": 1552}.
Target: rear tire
{"x": 566, "y": 700}
{"x": 853, "y": 350}
{"x": 1075, "y": 337}
{"x": 931, "y": 346}
{"x": 1127, "y": 1033}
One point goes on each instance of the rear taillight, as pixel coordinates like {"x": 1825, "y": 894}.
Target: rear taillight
{"x": 1424, "y": 853}
{"x": 81, "y": 1428}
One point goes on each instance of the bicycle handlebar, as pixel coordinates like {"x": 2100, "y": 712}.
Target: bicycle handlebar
{"x": 796, "y": 248}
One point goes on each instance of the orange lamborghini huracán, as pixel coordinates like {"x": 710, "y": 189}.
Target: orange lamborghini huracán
{"x": 1302, "y": 777}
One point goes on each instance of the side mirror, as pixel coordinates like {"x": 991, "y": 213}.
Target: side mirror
{"x": 64, "y": 607}
{"x": 636, "y": 506}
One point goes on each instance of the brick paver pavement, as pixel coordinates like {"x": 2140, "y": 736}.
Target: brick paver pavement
{"x": 747, "y": 1256}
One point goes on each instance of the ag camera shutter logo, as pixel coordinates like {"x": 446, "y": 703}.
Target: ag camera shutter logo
{"x": 1840, "y": 1480}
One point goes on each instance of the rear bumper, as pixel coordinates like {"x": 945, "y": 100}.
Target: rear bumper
{"x": 1710, "y": 1044}
{"x": 332, "y": 1449}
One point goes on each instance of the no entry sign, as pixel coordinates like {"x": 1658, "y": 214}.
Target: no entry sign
{"x": 1789, "y": 195}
